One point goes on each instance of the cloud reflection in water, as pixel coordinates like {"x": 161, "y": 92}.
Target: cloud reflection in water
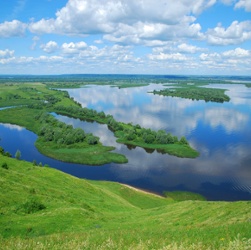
{"x": 219, "y": 131}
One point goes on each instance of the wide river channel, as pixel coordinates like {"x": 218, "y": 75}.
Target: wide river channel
{"x": 221, "y": 132}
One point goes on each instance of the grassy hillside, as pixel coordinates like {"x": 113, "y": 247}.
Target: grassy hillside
{"x": 43, "y": 208}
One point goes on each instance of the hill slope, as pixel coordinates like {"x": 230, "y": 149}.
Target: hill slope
{"x": 43, "y": 208}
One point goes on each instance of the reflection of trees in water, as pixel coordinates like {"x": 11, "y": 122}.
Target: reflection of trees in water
{"x": 130, "y": 147}
{"x": 149, "y": 150}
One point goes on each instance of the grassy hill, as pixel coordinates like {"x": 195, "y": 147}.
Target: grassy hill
{"x": 43, "y": 208}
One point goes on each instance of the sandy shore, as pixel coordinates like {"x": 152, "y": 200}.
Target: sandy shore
{"x": 142, "y": 191}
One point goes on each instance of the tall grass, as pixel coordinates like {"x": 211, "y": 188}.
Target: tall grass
{"x": 83, "y": 241}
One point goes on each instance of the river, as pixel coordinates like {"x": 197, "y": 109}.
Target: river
{"x": 221, "y": 132}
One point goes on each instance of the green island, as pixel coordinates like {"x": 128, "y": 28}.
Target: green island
{"x": 194, "y": 91}
{"x": 134, "y": 135}
{"x": 35, "y": 102}
{"x": 43, "y": 208}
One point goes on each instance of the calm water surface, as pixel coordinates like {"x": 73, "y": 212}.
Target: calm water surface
{"x": 220, "y": 132}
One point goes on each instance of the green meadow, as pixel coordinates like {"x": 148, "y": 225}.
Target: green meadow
{"x": 43, "y": 208}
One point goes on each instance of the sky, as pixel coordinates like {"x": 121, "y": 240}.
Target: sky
{"x": 184, "y": 37}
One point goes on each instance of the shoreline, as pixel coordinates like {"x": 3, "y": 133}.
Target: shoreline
{"x": 142, "y": 191}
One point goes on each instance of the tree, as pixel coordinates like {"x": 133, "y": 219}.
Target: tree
{"x": 130, "y": 136}
{"x": 102, "y": 114}
{"x": 161, "y": 137}
{"x": 8, "y": 154}
{"x": 149, "y": 139}
{"x": 169, "y": 139}
{"x": 183, "y": 141}
{"x": 18, "y": 155}
{"x": 92, "y": 140}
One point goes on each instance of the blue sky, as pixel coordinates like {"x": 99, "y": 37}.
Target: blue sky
{"x": 205, "y": 37}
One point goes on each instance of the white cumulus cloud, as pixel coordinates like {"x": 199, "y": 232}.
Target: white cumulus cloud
{"x": 172, "y": 57}
{"x": 127, "y": 21}
{"x": 73, "y": 48}
{"x": 237, "y": 53}
{"x": 186, "y": 48}
{"x": 236, "y": 33}
{"x": 49, "y": 47}
{"x": 246, "y": 4}
{"x": 232, "y": 60}
{"x": 4, "y": 54}
{"x": 12, "y": 29}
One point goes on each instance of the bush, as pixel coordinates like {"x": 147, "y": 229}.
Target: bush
{"x": 32, "y": 206}
{"x": 92, "y": 140}
{"x": 5, "y": 165}
{"x": 2, "y": 152}
{"x": 8, "y": 154}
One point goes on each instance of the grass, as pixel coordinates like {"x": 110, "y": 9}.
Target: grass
{"x": 183, "y": 196}
{"x": 14, "y": 94}
{"x": 179, "y": 150}
{"x": 72, "y": 213}
{"x": 85, "y": 241}
{"x": 81, "y": 153}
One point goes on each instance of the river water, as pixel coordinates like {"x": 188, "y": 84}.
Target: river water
{"x": 220, "y": 132}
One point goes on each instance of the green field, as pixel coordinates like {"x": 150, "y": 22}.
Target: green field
{"x": 14, "y": 94}
{"x": 43, "y": 208}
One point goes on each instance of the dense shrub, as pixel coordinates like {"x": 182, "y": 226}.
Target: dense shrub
{"x": 31, "y": 206}
{"x": 5, "y": 165}
{"x": 53, "y": 130}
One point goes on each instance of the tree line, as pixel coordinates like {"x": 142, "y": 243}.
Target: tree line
{"x": 128, "y": 132}
{"x": 52, "y": 130}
